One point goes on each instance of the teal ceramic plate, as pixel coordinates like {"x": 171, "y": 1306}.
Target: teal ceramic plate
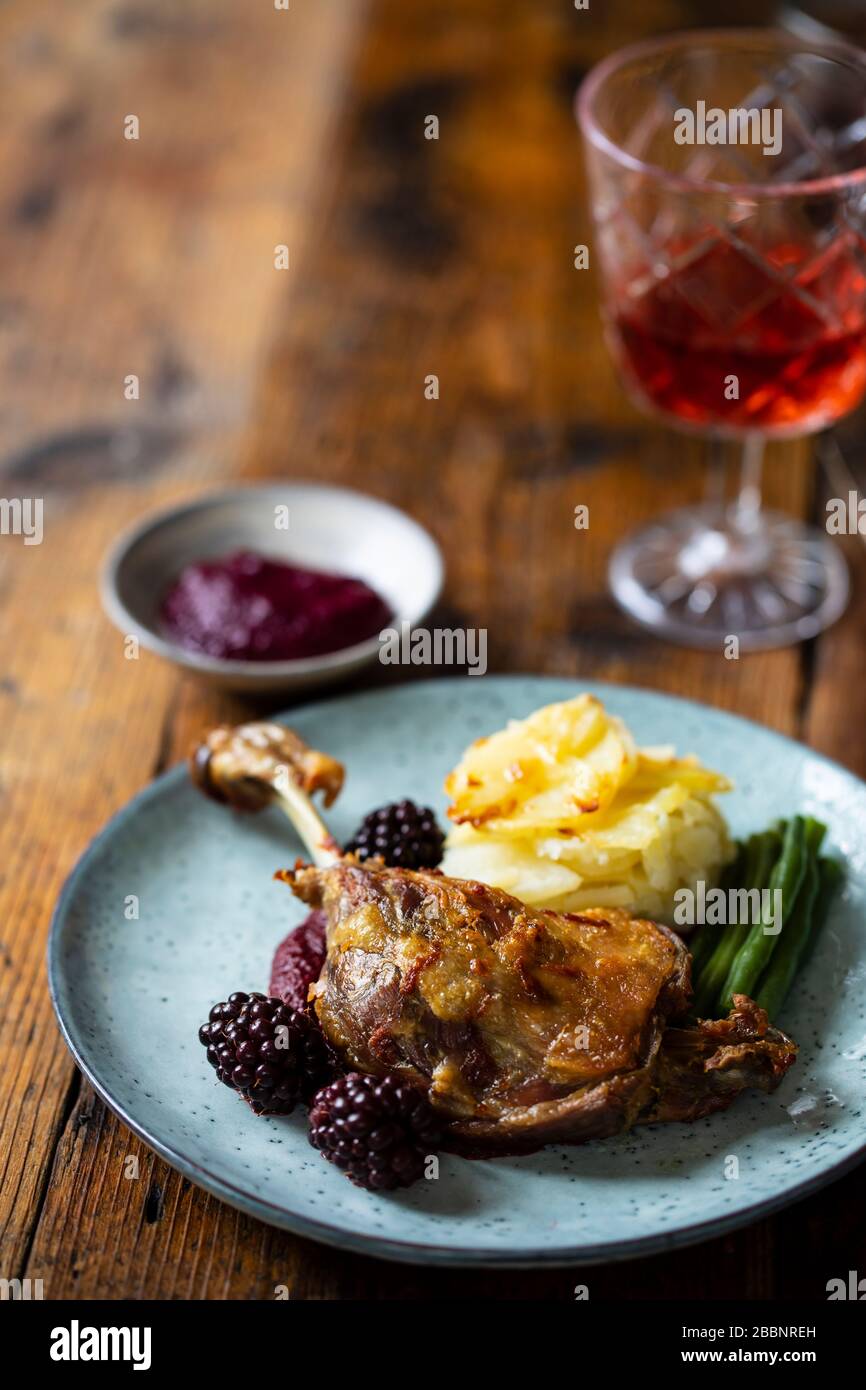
{"x": 131, "y": 994}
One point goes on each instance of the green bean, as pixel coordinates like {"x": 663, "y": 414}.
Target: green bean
{"x": 813, "y": 836}
{"x": 779, "y": 974}
{"x": 754, "y": 952}
{"x": 716, "y": 964}
{"x": 704, "y": 940}
{"x": 762, "y": 852}
{"x": 831, "y": 875}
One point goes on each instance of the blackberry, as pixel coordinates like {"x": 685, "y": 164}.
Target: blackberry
{"x": 379, "y": 1132}
{"x": 406, "y": 836}
{"x": 270, "y": 1053}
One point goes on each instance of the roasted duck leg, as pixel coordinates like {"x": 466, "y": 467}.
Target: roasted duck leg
{"x": 525, "y": 1027}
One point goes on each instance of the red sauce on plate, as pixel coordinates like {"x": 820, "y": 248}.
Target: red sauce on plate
{"x": 247, "y": 607}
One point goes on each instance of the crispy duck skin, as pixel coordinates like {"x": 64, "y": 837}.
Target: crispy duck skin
{"x": 704, "y": 1066}
{"x": 527, "y": 1027}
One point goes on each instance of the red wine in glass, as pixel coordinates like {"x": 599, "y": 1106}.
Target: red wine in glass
{"x": 790, "y": 330}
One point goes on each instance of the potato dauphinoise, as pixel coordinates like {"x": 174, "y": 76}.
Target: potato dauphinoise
{"x": 563, "y": 810}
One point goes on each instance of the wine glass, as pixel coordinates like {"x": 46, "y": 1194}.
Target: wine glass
{"x": 734, "y": 301}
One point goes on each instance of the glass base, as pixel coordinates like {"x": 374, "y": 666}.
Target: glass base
{"x": 704, "y": 574}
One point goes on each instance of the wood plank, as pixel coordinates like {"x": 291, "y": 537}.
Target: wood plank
{"x": 834, "y": 719}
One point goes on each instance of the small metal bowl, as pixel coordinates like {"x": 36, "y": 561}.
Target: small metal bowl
{"x": 329, "y": 528}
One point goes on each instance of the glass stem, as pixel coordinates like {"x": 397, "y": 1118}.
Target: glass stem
{"x": 747, "y": 507}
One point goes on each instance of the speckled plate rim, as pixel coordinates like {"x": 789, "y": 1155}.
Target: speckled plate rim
{"x": 416, "y": 1252}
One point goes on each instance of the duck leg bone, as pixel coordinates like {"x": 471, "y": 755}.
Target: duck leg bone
{"x": 251, "y": 766}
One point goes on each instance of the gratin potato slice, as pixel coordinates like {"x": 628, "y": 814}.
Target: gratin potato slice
{"x": 659, "y": 767}
{"x": 563, "y": 762}
{"x": 516, "y": 869}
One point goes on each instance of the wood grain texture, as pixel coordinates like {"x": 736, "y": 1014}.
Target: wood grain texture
{"x": 408, "y": 257}
{"x": 154, "y": 257}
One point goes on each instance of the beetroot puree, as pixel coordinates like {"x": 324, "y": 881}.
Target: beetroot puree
{"x": 298, "y": 961}
{"x": 246, "y": 607}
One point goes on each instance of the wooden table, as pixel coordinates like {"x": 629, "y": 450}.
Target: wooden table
{"x": 407, "y": 257}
